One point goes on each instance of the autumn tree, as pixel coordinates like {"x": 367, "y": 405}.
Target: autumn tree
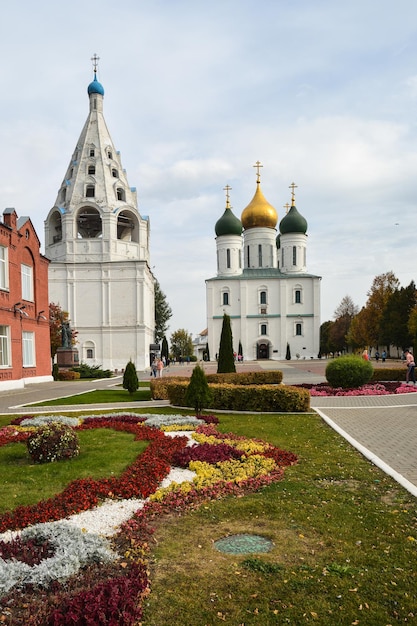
{"x": 226, "y": 361}
{"x": 343, "y": 317}
{"x": 382, "y": 287}
{"x": 326, "y": 345}
{"x": 394, "y": 325}
{"x": 57, "y": 317}
{"x": 163, "y": 313}
{"x": 181, "y": 343}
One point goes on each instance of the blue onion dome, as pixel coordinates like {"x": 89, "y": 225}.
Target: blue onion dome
{"x": 228, "y": 224}
{"x": 293, "y": 222}
{"x": 95, "y": 87}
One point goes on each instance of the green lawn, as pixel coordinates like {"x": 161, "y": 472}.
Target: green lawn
{"x": 100, "y": 396}
{"x": 344, "y": 542}
{"x": 103, "y": 452}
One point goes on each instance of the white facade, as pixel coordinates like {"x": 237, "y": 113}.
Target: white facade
{"x": 270, "y": 298}
{"x": 98, "y": 244}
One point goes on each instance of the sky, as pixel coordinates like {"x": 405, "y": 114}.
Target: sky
{"x": 323, "y": 94}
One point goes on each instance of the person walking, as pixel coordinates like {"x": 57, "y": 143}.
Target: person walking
{"x": 160, "y": 367}
{"x": 154, "y": 368}
{"x": 409, "y": 361}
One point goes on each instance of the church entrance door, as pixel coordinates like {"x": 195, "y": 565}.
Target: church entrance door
{"x": 263, "y": 351}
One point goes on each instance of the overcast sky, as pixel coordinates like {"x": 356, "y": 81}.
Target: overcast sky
{"x": 323, "y": 93}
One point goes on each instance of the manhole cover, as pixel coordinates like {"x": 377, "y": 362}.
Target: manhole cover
{"x": 243, "y": 544}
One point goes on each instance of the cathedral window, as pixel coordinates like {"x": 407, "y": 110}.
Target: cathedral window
{"x": 90, "y": 353}
{"x": 63, "y": 194}
{"x": 71, "y": 172}
{"x": 262, "y": 297}
{"x": 294, "y": 255}
{"x": 248, "y": 255}
{"x": 90, "y": 191}
{"x": 297, "y": 296}
{"x": 115, "y": 173}
{"x": 110, "y": 154}
{"x": 260, "y": 255}
{"x": 121, "y": 194}
{"x": 225, "y": 298}
{"x": 91, "y": 169}
{"x": 89, "y": 224}
{"x": 298, "y": 329}
{"x": 264, "y": 329}
{"x": 228, "y": 263}
{"x": 92, "y": 152}
{"x": 240, "y": 259}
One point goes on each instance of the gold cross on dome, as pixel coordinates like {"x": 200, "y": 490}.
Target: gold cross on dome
{"x": 227, "y": 189}
{"x": 258, "y": 174}
{"x": 286, "y": 207}
{"x": 95, "y": 59}
{"x": 292, "y": 187}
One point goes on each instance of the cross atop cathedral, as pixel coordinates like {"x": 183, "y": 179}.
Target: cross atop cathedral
{"x": 286, "y": 207}
{"x": 258, "y": 174}
{"x": 95, "y": 59}
{"x": 292, "y": 187}
{"x": 227, "y": 189}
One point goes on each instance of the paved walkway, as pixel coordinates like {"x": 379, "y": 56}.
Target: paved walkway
{"x": 382, "y": 428}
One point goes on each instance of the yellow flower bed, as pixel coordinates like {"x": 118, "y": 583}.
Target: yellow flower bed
{"x": 248, "y": 446}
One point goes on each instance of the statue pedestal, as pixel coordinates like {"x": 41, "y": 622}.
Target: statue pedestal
{"x": 67, "y": 358}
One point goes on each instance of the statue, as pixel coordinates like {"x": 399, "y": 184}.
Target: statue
{"x": 66, "y": 335}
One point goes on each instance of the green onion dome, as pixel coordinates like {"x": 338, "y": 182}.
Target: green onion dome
{"x": 293, "y": 222}
{"x": 228, "y": 224}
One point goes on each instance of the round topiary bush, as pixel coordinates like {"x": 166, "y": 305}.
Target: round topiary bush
{"x": 349, "y": 371}
{"x": 53, "y": 442}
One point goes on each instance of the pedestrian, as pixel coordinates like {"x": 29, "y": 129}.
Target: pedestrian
{"x": 160, "y": 367}
{"x": 154, "y": 368}
{"x": 384, "y": 356}
{"x": 365, "y": 355}
{"x": 377, "y": 356}
{"x": 409, "y": 361}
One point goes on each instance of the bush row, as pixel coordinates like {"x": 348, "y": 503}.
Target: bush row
{"x": 68, "y": 375}
{"x": 257, "y": 398}
{"x": 159, "y": 386}
{"x": 273, "y": 377}
{"x": 396, "y": 374}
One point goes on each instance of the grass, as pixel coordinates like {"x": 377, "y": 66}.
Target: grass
{"x": 103, "y": 452}
{"x": 100, "y": 396}
{"x": 344, "y": 533}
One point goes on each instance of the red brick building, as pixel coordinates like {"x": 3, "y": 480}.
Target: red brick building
{"x": 25, "y": 354}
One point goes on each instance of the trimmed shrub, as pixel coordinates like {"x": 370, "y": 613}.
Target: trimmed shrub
{"x": 198, "y": 394}
{"x": 226, "y": 362}
{"x": 396, "y": 374}
{"x": 92, "y": 371}
{"x": 255, "y": 398}
{"x": 349, "y": 372}
{"x": 270, "y": 377}
{"x": 159, "y": 386}
{"x": 53, "y": 442}
{"x": 68, "y": 375}
{"x": 130, "y": 378}
{"x": 55, "y": 371}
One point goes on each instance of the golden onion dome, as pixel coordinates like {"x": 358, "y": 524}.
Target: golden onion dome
{"x": 259, "y": 213}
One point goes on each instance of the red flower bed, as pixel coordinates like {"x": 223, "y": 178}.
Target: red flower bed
{"x": 139, "y": 480}
{"x": 205, "y": 452}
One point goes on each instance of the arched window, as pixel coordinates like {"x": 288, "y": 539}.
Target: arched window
{"x": 297, "y": 296}
{"x": 260, "y": 255}
{"x": 89, "y": 223}
{"x": 228, "y": 263}
{"x": 225, "y": 298}
{"x": 115, "y": 173}
{"x": 263, "y": 329}
{"x": 298, "y": 329}
{"x": 127, "y": 227}
{"x": 109, "y": 154}
{"x": 294, "y": 255}
{"x": 121, "y": 194}
{"x": 262, "y": 297}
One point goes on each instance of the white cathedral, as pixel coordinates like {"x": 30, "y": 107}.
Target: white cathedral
{"x": 262, "y": 283}
{"x": 98, "y": 244}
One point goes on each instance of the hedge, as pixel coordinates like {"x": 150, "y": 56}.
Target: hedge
{"x": 272, "y": 377}
{"x": 68, "y": 375}
{"x": 389, "y": 374}
{"x": 158, "y": 386}
{"x": 256, "y": 398}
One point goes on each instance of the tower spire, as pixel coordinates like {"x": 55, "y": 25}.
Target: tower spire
{"x": 227, "y": 189}
{"x": 258, "y": 173}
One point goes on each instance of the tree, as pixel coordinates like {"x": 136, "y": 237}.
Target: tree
{"x": 130, "y": 378}
{"x": 164, "y": 349}
{"x": 207, "y": 352}
{"x": 226, "y": 362}
{"x": 326, "y": 345}
{"x": 198, "y": 393}
{"x": 163, "y": 313}
{"x": 181, "y": 343}
{"x": 344, "y": 314}
{"x": 57, "y": 317}
{"x": 382, "y": 287}
{"x": 240, "y": 350}
{"x": 394, "y": 325}
{"x": 288, "y": 353}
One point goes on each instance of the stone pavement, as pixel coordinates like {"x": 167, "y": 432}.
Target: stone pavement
{"x": 382, "y": 428}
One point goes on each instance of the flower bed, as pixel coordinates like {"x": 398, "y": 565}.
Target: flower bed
{"x": 371, "y": 389}
{"x": 113, "y": 582}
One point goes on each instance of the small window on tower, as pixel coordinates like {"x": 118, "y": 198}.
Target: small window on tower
{"x": 92, "y": 152}
{"x": 115, "y": 173}
{"x": 121, "y": 194}
{"x": 110, "y": 154}
{"x": 225, "y": 298}
{"x": 228, "y": 263}
{"x": 90, "y": 191}
{"x": 91, "y": 169}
